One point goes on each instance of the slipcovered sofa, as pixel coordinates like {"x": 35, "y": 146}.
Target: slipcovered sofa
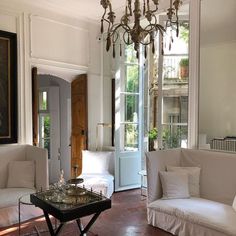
{"x": 23, "y": 170}
{"x": 210, "y": 214}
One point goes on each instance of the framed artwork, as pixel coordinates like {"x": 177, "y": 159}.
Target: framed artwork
{"x": 8, "y": 87}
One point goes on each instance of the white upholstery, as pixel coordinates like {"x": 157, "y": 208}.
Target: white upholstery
{"x": 101, "y": 179}
{"x": 9, "y": 196}
{"x": 193, "y": 178}
{"x": 198, "y": 211}
{"x": 21, "y": 174}
{"x": 194, "y": 216}
{"x": 99, "y": 183}
{"x": 174, "y": 185}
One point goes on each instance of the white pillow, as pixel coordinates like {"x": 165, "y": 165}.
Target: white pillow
{"x": 174, "y": 185}
{"x": 234, "y": 203}
{"x": 194, "y": 178}
{"x": 95, "y": 162}
{"x": 21, "y": 174}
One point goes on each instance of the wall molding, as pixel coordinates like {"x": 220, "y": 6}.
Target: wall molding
{"x": 81, "y": 31}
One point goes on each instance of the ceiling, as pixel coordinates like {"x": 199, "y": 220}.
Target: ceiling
{"x": 216, "y": 14}
{"x": 86, "y": 9}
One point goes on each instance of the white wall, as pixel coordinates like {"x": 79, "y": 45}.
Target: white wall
{"x": 58, "y": 43}
{"x": 217, "y": 96}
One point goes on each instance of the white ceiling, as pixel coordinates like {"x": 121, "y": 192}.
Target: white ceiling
{"x": 87, "y": 9}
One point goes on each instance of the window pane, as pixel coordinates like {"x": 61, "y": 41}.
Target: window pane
{"x": 180, "y": 45}
{"x": 175, "y": 69}
{"x": 132, "y": 78}
{"x": 46, "y": 145}
{"x": 43, "y": 100}
{"x": 175, "y": 109}
{"x": 130, "y": 54}
{"x": 131, "y": 108}
{"x": 44, "y": 132}
{"x": 130, "y": 137}
{"x": 174, "y": 136}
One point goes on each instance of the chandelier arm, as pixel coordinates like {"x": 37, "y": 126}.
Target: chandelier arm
{"x": 116, "y": 36}
{"x": 116, "y": 27}
{"x": 127, "y": 41}
{"x": 155, "y": 10}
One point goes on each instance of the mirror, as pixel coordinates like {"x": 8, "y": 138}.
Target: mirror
{"x": 217, "y": 96}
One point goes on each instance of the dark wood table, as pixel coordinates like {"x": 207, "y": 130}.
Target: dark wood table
{"x": 67, "y": 206}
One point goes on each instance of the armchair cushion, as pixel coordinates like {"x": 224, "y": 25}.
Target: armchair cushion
{"x": 21, "y": 174}
{"x": 96, "y": 162}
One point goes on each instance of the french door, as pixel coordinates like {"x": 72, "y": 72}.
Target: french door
{"x": 128, "y": 116}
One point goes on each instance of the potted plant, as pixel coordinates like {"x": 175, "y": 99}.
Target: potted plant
{"x": 152, "y": 138}
{"x": 183, "y": 68}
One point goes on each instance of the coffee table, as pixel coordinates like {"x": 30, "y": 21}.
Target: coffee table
{"x": 70, "y": 204}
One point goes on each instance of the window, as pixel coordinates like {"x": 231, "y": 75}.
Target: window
{"x": 175, "y": 90}
{"x": 44, "y": 121}
{"x": 169, "y": 90}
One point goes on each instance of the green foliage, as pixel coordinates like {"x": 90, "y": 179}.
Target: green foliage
{"x": 173, "y": 140}
{"x": 131, "y": 136}
{"x": 184, "y": 31}
{"x": 47, "y": 134}
{"x": 184, "y": 62}
{"x": 153, "y": 134}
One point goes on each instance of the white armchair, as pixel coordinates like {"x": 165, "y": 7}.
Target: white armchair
{"x": 23, "y": 169}
{"x": 98, "y": 171}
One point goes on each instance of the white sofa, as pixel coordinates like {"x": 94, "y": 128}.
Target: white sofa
{"x": 98, "y": 171}
{"x": 9, "y": 195}
{"x": 211, "y": 214}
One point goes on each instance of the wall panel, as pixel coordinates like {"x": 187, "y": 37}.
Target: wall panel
{"x": 56, "y": 41}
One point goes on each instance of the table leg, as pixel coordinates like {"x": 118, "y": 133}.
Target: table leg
{"x": 49, "y": 223}
{"x": 87, "y": 227}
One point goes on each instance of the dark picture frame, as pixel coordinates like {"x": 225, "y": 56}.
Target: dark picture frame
{"x": 8, "y": 87}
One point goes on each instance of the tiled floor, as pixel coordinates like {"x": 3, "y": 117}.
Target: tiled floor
{"x": 127, "y": 217}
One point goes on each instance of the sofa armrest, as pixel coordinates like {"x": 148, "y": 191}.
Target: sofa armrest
{"x": 157, "y": 161}
{"x": 40, "y": 156}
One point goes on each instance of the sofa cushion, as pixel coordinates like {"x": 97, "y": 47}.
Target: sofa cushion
{"x": 21, "y": 174}
{"x": 210, "y": 214}
{"x": 174, "y": 185}
{"x": 193, "y": 178}
{"x": 9, "y": 196}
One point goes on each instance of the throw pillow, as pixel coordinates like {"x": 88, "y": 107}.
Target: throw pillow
{"x": 234, "y": 203}
{"x": 21, "y": 174}
{"x": 174, "y": 185}
{"x": 96, "y": 162}
{"x": 193, "y": 175}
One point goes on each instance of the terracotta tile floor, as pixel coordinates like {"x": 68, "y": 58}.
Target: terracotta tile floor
{"x": 127, "y": 217}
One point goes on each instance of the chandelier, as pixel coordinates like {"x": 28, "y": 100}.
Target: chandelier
{"x": 131, "y": 31}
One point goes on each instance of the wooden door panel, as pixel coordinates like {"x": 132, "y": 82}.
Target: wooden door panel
{"x": 79, "y": 122}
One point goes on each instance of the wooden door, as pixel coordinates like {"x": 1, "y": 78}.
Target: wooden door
{"x": 79, "y": 114}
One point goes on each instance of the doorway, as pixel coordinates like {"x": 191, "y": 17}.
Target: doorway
{"x": 54, "y": 95}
